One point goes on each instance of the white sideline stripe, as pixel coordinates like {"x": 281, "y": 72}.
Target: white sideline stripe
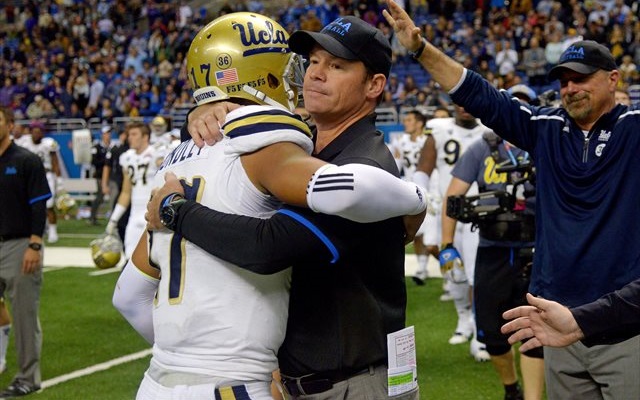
{"x": 95, "y": 368}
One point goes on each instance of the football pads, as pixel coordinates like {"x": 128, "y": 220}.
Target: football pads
{"x": 244, "y": 56}
{"x": 451, "y": 265}
{"x": 106, "y": 251}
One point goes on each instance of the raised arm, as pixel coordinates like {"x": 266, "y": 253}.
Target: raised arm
{"x": 444, "y": 70}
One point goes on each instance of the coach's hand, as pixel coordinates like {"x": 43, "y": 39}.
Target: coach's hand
{"x": 171, "y": 185}
{"x": 204, "y": 122}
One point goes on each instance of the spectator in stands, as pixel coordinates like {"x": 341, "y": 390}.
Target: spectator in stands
{"x": 622, "y": 97}
{"x": 40, "y": 108}
{"x": 534, "y": 62}
{"x": 185, "y": 14}
{"x": 506, "y": 58}
{"x": 410, "y": 91}
{"x": 628, "y": 70}
{"x": 96, "y": 89}
{"x": 6, "y": 92}
{"x": 554, "y": 48}
{"x": 165, "y": 69}
{"x": 396, "y": 88}
{"x": 81, "y": 91}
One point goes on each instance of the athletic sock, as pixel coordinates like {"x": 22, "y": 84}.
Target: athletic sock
{"x": 4, "y": 342}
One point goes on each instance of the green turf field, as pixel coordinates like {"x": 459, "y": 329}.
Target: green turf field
{"x": 81, "y": 329}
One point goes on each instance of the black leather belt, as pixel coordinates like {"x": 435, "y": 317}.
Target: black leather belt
{"x": 322, "y": 381}
{"x": 4, "y": 238}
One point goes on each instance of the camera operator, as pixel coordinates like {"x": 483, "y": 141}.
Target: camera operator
{"x": 504, "y": 212}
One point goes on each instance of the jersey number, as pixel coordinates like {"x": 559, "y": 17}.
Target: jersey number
{"x": 177, "y": 256}
{"x": 132, "y": 173}
{"x": 452, "y": 151}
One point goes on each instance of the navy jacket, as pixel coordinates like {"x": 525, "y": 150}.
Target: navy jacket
{"x": 587, "y": 191}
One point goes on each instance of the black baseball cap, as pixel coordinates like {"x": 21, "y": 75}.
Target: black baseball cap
{"x": 584, "y": 57}
{"x": 350, "y": 38}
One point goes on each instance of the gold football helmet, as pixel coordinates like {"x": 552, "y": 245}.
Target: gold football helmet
{"x": 246, "y": 56}
{"x": 158, "y": 126}
{"x": 65, "y": 204}
{"x": 106, "y": 251}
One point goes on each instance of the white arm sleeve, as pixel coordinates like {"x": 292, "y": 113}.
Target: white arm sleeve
{"x": 118, "y": 212}
{"x": 133, "y": 297}
{"x": 363, "y": 193}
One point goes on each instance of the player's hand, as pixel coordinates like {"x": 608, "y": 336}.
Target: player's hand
{"x": 411, "y": 225}
{"x": 171, "y": 185}
{"x": 112, "y": 226}
{"x": 451, "y": 264}
{"x": 407, "y": 32}
{"x": 204, "y": 122}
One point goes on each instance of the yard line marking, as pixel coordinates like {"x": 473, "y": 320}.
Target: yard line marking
{"x": 95, "y": 368}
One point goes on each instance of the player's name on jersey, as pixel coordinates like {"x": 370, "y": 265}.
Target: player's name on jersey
{"x": 184, "y": 151}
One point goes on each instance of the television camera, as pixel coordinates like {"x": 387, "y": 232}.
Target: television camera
{"x": 500, "y": 214}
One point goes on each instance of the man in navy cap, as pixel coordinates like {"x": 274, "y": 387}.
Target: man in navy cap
{"x": 348, "y": 286}
{"x": 587, "y": 190}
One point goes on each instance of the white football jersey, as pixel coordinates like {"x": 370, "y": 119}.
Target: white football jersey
{"x": 211, "y": 317}
{"x": 141, "y": 168}
{"x": 451, "y": 140}
{"x": 409, "y": 152}
{"x": 43, "y": 149}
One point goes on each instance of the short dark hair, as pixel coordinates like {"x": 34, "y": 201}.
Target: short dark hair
{"x": 418, "y": 115}
{"x": 144, "y": 128}
{"x": 8, "y": 114}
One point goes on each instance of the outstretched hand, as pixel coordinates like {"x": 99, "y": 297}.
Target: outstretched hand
{"x": 407, "y": 32}
{"x": 543, "y": 322}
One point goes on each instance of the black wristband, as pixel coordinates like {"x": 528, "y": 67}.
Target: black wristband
{"x": 416, "y": 54}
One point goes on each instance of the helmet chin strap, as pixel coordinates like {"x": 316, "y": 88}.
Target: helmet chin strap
{"x": 262, "y": 97}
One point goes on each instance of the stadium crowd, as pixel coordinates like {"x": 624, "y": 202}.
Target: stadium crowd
{"x": 116, "y": 58}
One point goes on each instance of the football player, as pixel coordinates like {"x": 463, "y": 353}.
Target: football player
{"x": 407, "y": 149}
{"x": 215, "y": 327}
{"x": 47, "y": 149}
{"x": 451, "y": 137}
{"x": 139, "y": 165}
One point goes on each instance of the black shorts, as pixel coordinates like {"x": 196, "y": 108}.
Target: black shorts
{"x": 501, "y": 282}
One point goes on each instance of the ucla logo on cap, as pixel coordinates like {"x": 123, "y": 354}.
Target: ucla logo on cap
{"x": 339, "y": 27}
{"x": 573, "y": 53}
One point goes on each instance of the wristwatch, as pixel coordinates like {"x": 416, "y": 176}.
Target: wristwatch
{"x": 35, "y": 246}
{"x": 169, "y": 210}
{"x": 416, "y": 54}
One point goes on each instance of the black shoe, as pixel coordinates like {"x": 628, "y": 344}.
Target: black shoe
{"x": 419, "y": 281}
{"x": 17, "y": 389}
{"x": 419, "y": 277}
{"x": 514, "y": 396}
